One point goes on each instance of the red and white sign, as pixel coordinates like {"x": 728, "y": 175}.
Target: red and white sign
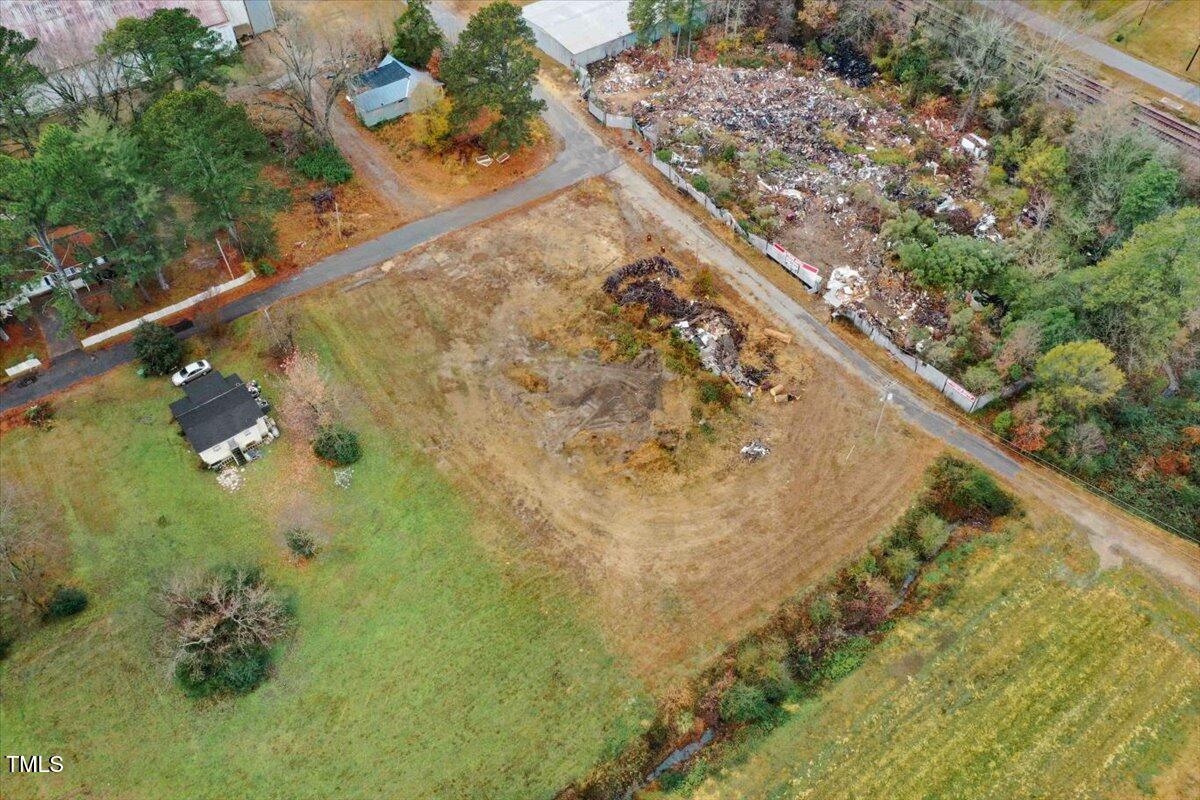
{"x": 802, "y": 270}
{"x": 960, "y": 391}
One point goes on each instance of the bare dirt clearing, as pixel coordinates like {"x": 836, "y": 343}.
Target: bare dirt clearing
{"x": 497, "y": 350}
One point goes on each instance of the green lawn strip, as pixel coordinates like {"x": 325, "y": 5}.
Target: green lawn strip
{"x": 420, "y": 667}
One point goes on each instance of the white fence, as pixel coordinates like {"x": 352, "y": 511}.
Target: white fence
{"x": 610, "y": 120}
{"x": 25, "y": 366}
{"x": 807, "y": 273}
{"x": 127, "y": 327}
{"x": 955, "y": 392}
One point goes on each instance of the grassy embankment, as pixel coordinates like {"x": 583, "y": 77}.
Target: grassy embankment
{"x": 1035, "y": 676}
{"x": 425, "y": 663}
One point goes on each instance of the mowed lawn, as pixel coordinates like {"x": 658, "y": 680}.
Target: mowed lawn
{"x": 425, "y": 663}
{"x": 1037, "y": 679}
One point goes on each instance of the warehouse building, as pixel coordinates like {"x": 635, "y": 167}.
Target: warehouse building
{"x": 577, "y": 32}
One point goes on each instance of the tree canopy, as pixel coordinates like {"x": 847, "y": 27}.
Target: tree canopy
{"x": 1137, "y": 298}
{"x": 169, "y": 44}
{"x": 207, "y": 149}
{"x": 492, "y": 69}
{"x": 1078, "y": 376}
{"x": 417, "y": 35}
{"x": 19, "y": 79}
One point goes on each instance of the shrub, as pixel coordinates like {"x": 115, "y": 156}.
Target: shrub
{"x": 337, "y": 445}
{"x": 846, "y": 658}
{"x": 325, "y": 163}
{"x": 700, "y": 182}
{"x": 39, "y": 415}
{"x": 744, "y": 703}
{"x": 981, "y": 379}
{"x": 664, "y": 155}
{"x": 157, "y": 348}
{"x": 302, "y": 543}
{"x": 898, "y": 564}
{"x": 932, "y": 533}
{"x": 1002, "y": 425}
{"x": 67, "y": 601}
{"x": 223, "y": 625}
{"x": 264, "y": 268}
{"x": 715, "y": 390}
{"x": 703, "y": 284}
{"x": 959, "y": 490}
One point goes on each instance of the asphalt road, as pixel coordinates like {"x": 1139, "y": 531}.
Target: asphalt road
{"x": 1109, "y": 56}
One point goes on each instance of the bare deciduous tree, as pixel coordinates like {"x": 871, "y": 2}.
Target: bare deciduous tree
{"x": 32, "y": 553}
{"x": 213, "y": 620}
{"x": 316, "y": 72}
{"x": 308, "y": 403}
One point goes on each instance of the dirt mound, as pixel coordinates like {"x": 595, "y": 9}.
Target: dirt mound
{"x": 589, "y": 397}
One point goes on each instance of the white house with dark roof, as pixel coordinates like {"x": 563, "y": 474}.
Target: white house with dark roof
{"x": 221, "y": 419}
{"x": 389, "y": 91}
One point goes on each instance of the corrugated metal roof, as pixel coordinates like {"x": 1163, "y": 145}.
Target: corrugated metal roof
{"x": 580, "y": 25}
{"x": 69, "y": 30}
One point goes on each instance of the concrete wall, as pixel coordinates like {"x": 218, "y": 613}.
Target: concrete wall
{"x": 175, "y": 308}
{"x": 383, "y": 113}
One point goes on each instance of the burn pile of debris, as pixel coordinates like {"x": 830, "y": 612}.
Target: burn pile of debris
{"x": 717, "y": 336}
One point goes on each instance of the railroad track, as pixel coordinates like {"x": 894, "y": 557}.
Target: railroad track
{"x": 1079, "y": 90}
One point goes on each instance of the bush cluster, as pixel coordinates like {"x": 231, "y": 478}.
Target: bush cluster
{"x": 224, "y": 625}
{"x": 324, "y": 163}
{"x": 338, "y": 445}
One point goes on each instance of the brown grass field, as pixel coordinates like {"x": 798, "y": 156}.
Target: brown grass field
{"x": 678, "y": 544}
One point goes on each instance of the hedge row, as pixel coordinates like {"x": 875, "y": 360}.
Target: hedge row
{"x": 813, "y": 639}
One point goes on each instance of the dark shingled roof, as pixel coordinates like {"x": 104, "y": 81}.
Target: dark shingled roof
{"x": 389, "y": 73}
{"x": 216, "y": 408}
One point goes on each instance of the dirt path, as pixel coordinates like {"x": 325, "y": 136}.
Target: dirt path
{"x": 374, "y": 165}
{"x": 1110, "y": 530}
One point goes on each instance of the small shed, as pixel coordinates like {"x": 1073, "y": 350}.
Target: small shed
{"x": 388, "y": 91}
{"x": 577, "y": 32}
{"x": 221, "y": 418}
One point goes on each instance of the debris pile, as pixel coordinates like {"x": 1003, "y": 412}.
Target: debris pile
{"x": 230, "y": 479}
{"x": 717, "y": 336}
{"x": 755, "y": 450}
{"x": 803, "y": 158}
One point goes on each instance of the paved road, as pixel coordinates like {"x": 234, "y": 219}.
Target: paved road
{"x": 1109, "y": 56}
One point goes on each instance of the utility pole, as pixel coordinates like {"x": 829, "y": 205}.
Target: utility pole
{"x": 884, "y": 399}
{"x": 1191, "y": 61}
{"x": 1142, "y": 18}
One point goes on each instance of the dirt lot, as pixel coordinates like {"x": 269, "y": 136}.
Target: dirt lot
{"x": 497, "y": 350}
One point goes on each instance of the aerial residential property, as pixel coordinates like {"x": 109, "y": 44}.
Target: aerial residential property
{"x": 631, "y": 399}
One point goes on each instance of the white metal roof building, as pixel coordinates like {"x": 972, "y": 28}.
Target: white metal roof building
{"x": 578, "y": 32}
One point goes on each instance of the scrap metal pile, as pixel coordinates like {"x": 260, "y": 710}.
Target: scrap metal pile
{"x": 717, "y": 337}
{"x": 841, "y": 148}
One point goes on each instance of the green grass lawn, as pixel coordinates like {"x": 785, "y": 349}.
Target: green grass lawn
{"x": 425, "y": 663}
{"x": 1036, "y": 679}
